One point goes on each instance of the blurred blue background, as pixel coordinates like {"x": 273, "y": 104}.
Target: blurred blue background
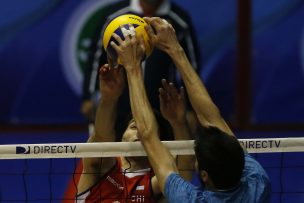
{"x": 43, "y": 45}
{"x": 43, "y": 48}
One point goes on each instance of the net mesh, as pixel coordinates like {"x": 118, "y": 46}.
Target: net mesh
{"x": 286, "y": 172}
{"x": 55, "y": 179}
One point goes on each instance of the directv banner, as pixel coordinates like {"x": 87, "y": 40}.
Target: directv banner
{"x": 127, "y": 149}
{"x": 50, "y": 149}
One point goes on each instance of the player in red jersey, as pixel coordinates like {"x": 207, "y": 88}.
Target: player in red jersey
{"x": 121, "y": 179}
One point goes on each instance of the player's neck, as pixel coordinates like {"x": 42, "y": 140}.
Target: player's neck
{"x": 135, "y": 163}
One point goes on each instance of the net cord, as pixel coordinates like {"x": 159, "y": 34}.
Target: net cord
{"x": 127, "y": 149}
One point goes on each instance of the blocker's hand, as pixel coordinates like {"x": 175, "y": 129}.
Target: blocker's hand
{"x": 164, "y": 37}
{"x": 131, "y": 50}
{"x": 172, "y": 103}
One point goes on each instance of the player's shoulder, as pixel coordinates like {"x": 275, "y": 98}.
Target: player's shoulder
{"x": 253, "y": 169}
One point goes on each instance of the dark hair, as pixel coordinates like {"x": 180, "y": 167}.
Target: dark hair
{"x": 164, "y": 127}
{"x": 220, "y": 155}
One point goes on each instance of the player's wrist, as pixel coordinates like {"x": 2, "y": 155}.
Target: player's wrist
{"x": 133, "y": 68}
{"x": 175, "y": 51}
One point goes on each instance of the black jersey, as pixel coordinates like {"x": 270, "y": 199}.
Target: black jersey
{"x": 158, "y": 65}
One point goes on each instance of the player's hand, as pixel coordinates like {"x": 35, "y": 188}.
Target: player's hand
{"x": 172, "y": 103}
{"x": 163, "y": 36}
{"x": 111, "y": 81}
{"x": 131, "y": 50}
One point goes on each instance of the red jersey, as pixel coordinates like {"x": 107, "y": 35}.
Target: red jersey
{"x": 120, "y": 186}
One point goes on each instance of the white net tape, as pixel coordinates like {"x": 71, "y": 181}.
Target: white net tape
{"x": 114, "y": 149}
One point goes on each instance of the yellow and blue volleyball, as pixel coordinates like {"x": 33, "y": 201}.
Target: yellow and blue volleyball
{"x": 124, "y": 21}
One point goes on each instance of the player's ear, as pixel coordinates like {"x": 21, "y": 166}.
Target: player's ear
{"x": 204, "y": 176}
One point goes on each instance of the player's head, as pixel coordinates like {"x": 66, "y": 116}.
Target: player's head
{"x": 131, "y": 134}
{"x": 220, "y": 158}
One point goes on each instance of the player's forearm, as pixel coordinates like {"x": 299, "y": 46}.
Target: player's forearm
{"x": 105, "y": 120}
{"x": 181, "y": 130}
{"x": 104, "y": 132}
{"x": 159, "y": 156}
{"x": 141, "y": 108}
{"x": 207, "y": 112}
{"x": 95, "y": 167}
{"x": 198, "y": 95}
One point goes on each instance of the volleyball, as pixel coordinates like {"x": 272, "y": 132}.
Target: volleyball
{"x": 124, "y": 21}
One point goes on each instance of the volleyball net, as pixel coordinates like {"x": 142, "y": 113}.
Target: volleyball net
{"x": 35, "y": 172}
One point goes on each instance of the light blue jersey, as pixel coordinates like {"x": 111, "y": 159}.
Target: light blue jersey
{"x": 254, "y": 188}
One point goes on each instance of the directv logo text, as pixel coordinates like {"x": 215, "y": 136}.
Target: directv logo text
{"x": 258, "y": 144}
{"x": 45, "y": 149}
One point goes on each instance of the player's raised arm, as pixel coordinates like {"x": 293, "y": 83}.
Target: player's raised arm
{"x": 173, "y": 108}
{"x": 111, "y": 85}
{"x": 165, "y": 39}
{"x": 130, "y": 52}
